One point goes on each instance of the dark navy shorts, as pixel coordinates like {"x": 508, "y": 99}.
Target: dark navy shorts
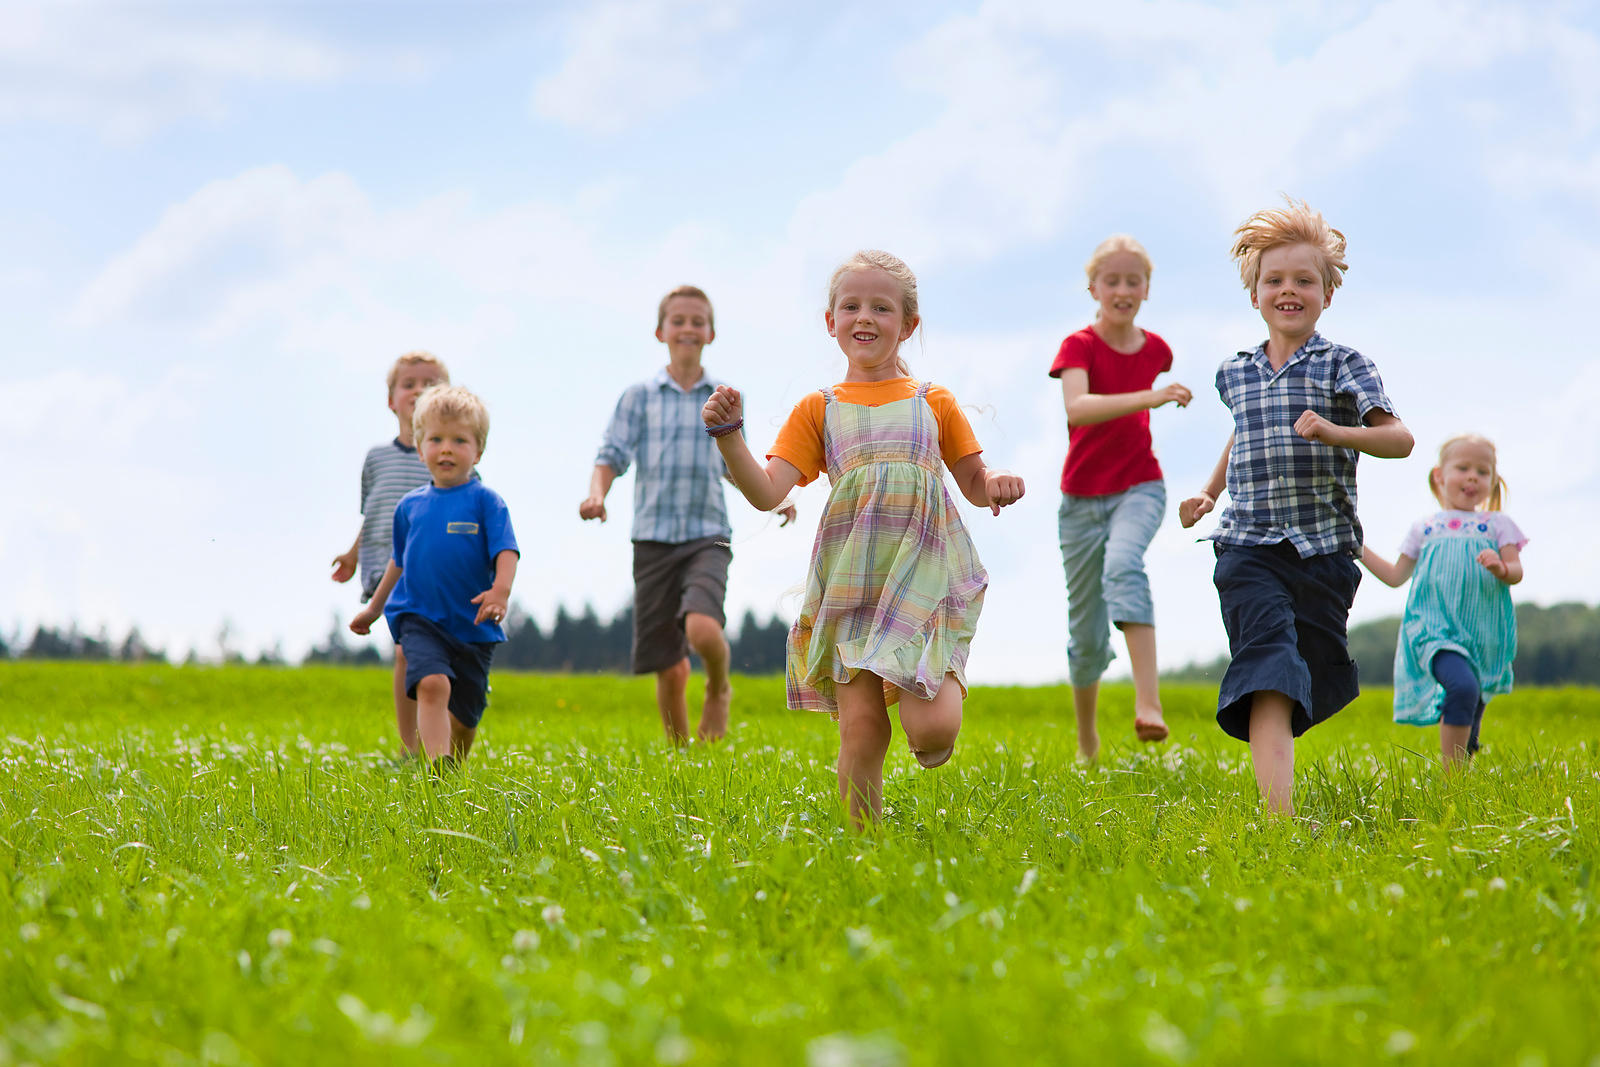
{"x": 429, "y": 650}
{"x": 1286, "y": 620}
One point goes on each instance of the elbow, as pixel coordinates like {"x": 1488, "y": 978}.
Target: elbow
{"x": 1405, "y": 443}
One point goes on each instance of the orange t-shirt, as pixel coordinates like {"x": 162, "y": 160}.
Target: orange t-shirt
{"x": 800, "y": 440}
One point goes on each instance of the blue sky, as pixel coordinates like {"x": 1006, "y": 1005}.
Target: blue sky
{"x": 225, "y": 221}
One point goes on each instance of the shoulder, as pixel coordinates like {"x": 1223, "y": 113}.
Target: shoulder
{"x": 1155, "y": 342}
{"x": 1076, "y": 351}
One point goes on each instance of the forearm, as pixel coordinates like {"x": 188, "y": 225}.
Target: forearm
{"x": 1219, "y": 474}
{"x": 380, "y": 595}
{"x": 754, "y": 481}
{"x": 1388, "y": 439}
{"x": 1386, "y": 572}
{"x": 505, "y": 572}
{"x": 972, "y": 480}
{"x": 1092, "y": 408}
{"x": 600, "y": 480}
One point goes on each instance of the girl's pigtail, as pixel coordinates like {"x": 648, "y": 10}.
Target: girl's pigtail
{"x": 1497, "y": 495}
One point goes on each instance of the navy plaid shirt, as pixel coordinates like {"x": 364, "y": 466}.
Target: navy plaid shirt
{"x": 677, "y": 490}
{"x": 1281, "y": 486}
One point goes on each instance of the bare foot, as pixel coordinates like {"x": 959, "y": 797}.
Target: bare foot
{"x": 1089, "y": 756}
{"x": 1149, "y": 725}
{"x": 937, "y": 758}
{"x": 714, "y": 716}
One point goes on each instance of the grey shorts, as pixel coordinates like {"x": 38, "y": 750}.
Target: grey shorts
{"x": 669, "y": 581}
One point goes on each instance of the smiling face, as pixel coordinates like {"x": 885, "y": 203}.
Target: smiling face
{"x": 1290, "y": 292}
{"x": 868, "y": 321}
{"x": 1120, "y": 286}
{"x": 1465, "y": 475}
{"x": 686, "y": 327}
{"x": 449, "y": 448}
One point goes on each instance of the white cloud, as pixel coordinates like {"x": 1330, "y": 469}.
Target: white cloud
{"x": 631, "y": 60}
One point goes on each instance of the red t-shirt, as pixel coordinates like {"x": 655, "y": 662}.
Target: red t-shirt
{"x": 1109, "y": 457}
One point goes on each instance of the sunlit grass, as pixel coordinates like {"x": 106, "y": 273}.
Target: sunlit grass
{"x": 227, "y": 866}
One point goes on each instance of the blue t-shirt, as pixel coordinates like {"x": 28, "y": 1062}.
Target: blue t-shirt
{"x": 446, "y": 542}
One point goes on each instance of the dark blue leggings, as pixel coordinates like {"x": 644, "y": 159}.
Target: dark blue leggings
{"x": 1463, "y": 705}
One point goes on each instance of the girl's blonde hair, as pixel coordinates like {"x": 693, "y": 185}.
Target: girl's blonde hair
{"x": 1498, "y": 490}
{"x": 1117, "y": 242}
{"x": 894, "y": 267}
{"x": 450, "y": 402}
{"x": 1296, "y": 224}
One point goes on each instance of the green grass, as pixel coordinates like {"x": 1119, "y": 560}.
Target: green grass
{"x": 224, "y": 866}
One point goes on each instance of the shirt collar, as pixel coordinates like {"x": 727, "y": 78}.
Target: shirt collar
{"x": 1314, "y": 344}
{"x": 663, "y": 380}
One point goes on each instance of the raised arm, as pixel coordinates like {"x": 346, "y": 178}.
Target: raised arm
{"x": 1383, "y": 437}
{"x": 1505, "y": 564}
{"x": 767, "y": 488}
{"x": 1393, "y": 574}
{"x": 992, "y": 489}
{"x": 1085, "y": 408}
{"x": 1190, "y": 511}
{"x": 494, "y": 602}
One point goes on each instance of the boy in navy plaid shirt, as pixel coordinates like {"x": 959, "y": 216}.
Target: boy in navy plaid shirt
{"x": 1303, "y": 409}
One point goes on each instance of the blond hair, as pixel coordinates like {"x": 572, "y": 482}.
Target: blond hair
{"x": 1296, "y": 224}
{"x": 1117, "y": 242}
{"x": 686, "y": 290}
{"x": 448, "y": 402}
{"x": 894, "y": 267}
{"x": 1498, "y": 490}
{"x": 412, "y": 359}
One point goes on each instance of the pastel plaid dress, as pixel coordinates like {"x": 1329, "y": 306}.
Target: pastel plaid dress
{"x": 895, "y": 585}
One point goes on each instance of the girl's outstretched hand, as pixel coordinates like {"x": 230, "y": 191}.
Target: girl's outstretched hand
{"x": 1173, "y": 393}
{"x": 724, "y": 407}
{"x": 1002, "y": 488}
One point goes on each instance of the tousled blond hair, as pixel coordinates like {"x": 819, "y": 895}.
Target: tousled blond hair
{"x": 412, "y": 359}
{"x": 686, "y": 290}
{"x": 1296, "y": 224}
{"x": 1117, "y": 242}
{"x": 1498, "y": 490}
{"x": 894, "y": 267}
{"x": 446, "y": 402}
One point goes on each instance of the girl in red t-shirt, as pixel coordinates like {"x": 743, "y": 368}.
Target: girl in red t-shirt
{"x": 1112, "y": 495}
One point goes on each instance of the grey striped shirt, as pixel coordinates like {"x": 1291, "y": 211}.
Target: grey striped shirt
{"x": 391, "y": 471}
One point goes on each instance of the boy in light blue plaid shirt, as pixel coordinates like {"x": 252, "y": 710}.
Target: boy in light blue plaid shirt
{"x": 680, "y": 524}
{"x": 1303, "y": 409}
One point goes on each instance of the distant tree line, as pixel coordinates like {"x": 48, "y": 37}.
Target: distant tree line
{"x": 575, "y": 643}
{"x": 1558, "y": 645}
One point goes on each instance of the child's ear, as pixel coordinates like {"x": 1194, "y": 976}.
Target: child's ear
{"x": 827, "y": 317}
{"x": 1327, "y": 297}
{"x": 910, "y": 328}
{"x": 659, "y": 336}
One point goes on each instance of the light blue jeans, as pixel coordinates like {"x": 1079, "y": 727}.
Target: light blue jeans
{"x": 1103, "y": 539}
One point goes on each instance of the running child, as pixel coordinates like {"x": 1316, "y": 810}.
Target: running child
{"x": 391, "y": 470}
{"x": 1459, "y": 632}
{"x": 1303, "y": 410}
{"x": 680, "y": 521}
{"x": 895, "y": 586}
{"x": 1112, "y": 493}
{"x": 455, "y": 557}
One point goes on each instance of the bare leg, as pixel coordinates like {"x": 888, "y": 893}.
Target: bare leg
{"x": 405, "y": 708}
{"x": 863, "y": 742}
{"x": 1147, "y": 720}
{"x": 670, "y": 701}
{"x": 706, "y": 638}
{"x": 931, "y": 726}
{"x": 1272, "y": 749}
{"x": 433, "y": 715}
{"x": 1084, "y": 698}
{"x": 1453, "y": 746}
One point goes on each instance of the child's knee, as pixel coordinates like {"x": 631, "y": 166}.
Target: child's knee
{"x": 703, "y": 632}
{"x": 677, "y": 674}
{"x": 434, "y": 687}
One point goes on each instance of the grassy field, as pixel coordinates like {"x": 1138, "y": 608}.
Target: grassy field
{"x": 225, "y": 866}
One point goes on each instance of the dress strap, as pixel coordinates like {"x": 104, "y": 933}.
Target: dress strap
{"x": 922, "y": 390}
{"x": 827, "y": 394}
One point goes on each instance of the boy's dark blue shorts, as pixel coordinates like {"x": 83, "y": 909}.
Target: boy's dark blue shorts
{"x": 1286, "y": 620}
{"x": 429, "y": 650}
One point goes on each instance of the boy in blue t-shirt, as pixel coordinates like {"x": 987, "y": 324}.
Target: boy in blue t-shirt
{"x": 392, "y": 470}
{"x": 453, "y": 548}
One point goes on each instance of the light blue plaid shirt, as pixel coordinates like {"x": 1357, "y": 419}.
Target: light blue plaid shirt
{"x": 677, "y": 490}
{"x": 1282, "y": 487}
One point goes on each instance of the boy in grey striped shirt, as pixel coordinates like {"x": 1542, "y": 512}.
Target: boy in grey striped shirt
{"x": 391, "y": 470}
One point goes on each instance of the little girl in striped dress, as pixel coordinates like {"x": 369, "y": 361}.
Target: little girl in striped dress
{"x": 895, "y": 586}
{"x": 1459, "y": 633}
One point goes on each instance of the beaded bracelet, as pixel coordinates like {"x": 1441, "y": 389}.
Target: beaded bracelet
{"x": 724, "y": 429}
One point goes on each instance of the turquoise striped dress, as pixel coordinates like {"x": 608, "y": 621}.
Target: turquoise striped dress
{"x": 1456, "y": 605}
